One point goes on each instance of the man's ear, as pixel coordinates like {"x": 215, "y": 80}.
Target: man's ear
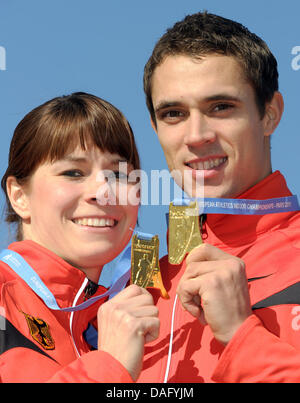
{"x": 273, "y": 113}
{"x": 18, "y": 198}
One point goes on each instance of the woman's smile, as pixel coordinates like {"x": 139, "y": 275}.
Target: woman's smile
{"x": 67, "y": 192}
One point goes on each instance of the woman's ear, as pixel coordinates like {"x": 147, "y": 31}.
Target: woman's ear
{"x": 17, "y": 197}
{"x": 273, "y": 113}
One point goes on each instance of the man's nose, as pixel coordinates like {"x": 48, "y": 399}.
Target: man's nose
{"x": 198, "y": 130}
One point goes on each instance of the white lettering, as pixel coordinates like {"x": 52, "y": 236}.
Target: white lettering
{"x": 155, "y": 176}
{"x": 296, "y": 320}
{"x": 2, "y": 318}
{"x": 2, "y": 58}
{"x": 123, "y": 393}
{"x": 178, "y": 393}
{"x": 296, "y": 59}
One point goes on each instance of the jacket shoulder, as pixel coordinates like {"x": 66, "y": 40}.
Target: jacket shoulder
{"x": 6, "y": 273}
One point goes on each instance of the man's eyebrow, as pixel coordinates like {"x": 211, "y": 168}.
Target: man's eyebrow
{"x": 166, "y": 104}
{"x": 222, "y": 97}
{"x": 217, "y": 97}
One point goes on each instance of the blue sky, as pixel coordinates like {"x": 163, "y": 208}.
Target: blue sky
{"x": 55, "y": 47}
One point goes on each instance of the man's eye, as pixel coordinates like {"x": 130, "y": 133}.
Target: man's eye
{"x": 172, "y": 114}
{"x": 222, "y": 107}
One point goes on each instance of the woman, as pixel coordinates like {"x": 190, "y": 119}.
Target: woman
{"x": 66, "y": 235}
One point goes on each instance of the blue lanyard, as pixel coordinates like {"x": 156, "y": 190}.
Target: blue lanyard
{"x": 26, "y": 272}
{"x": 122, "y": 272}
{"x": 243, "y": 206}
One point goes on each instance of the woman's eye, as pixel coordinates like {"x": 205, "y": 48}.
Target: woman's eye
{"x": 73, "y": 173}
{"x": 117, "y": 175}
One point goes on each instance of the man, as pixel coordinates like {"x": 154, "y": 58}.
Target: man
{"x": 212, "y": 92}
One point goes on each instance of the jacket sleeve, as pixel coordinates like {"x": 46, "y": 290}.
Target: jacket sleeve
{"x": 93, "y": 367}
{"x": 23, "y": 365}
{"x": 255, "y": 355}
{"x": 23, "y": 361}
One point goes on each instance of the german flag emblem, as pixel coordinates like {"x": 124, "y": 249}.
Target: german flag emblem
{"x": 40, "y": 332}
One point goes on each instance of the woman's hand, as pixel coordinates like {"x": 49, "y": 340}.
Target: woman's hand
{"x": 125, "y": 324}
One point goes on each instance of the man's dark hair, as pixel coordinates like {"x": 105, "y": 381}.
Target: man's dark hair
{"x": 201, "y": 34}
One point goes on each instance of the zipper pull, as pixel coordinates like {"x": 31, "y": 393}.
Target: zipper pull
{"x": 90, "y": 289}
{"x": 202, "y": 221}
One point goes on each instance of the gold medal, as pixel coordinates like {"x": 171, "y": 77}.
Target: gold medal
{"x": 184, "y": 233}
{"x": 145, "y": 269}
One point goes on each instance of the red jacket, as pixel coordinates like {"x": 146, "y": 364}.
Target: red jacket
{"x": 266, "y": 348}
{"x": 38, "y": 344}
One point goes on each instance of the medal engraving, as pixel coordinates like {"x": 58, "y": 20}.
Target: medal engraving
{"x": 145, "y": 269}
{"x": 184, "y": 233}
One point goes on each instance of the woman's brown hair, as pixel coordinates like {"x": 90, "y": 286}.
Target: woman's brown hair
{"x": 57, "y": 127}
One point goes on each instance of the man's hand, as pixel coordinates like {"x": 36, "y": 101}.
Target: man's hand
{"x": 214, "y": 288}
{"x": 125, "y": 324}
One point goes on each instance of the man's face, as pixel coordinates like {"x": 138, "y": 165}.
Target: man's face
{"x": 208, "y": 123}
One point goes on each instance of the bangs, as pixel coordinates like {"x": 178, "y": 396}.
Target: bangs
{"x": 84, "y": 123}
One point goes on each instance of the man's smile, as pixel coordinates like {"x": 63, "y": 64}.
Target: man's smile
{"x": 207, "y": 163}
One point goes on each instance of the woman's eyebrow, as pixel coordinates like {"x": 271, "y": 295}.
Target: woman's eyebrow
{"x": 70, "y": 158}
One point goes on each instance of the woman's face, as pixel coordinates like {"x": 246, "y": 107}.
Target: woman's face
{"x": 63, "y": 212}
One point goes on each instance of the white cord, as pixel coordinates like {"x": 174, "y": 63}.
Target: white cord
{"x": 171, "y": 342}
{"x": 72, "y": 313}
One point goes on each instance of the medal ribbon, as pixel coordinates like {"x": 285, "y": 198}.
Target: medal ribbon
{"x": 122, "y": 272}
{"x": 243, "y": 206}
{"x": 26, "y": 272}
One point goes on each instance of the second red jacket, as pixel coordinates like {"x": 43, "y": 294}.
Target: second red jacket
{"x": 266, "y": 348}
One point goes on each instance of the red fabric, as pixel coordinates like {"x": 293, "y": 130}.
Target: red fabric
{"x": 20, "y": 363}
{"x": 266, "y": 348}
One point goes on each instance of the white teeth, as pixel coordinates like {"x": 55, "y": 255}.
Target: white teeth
{"x": 95, "y": 222}
{"x": 208, "y": 164}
